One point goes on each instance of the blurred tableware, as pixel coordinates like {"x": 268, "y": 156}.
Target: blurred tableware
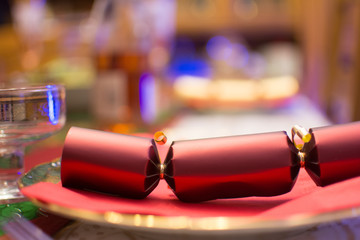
{"x": 19, "y": 228}
{"x": 27, "y": 114}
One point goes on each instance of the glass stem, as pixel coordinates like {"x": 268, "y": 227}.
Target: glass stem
{"x": 11, "y": 168}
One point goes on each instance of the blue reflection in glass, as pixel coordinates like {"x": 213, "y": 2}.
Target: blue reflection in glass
{"x": 53, "y": 110}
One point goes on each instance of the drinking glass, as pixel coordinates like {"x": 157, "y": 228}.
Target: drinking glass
{"x": 27, "y": 114}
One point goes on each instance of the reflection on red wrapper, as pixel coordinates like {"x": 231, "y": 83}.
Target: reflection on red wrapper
{"x": 111, "y": 163}
{"x": 230, "y": 167}
{"x": 334, "y": 153}
{"x": 199, "y": 170}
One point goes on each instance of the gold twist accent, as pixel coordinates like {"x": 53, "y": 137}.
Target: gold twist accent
{"x": 305, "y": 136}
{"x": 302, "y": 133}
{"x": 162, "y": 170}
{"x": 160, "y": 138}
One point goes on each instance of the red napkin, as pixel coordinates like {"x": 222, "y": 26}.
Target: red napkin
{"x": 343, "y": 195}
{"x": 304, "y": 198}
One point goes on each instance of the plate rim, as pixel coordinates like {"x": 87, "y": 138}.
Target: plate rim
{"x": 196, "y": 225}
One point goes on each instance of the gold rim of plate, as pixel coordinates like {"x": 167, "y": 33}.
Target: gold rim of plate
{"x": 50, "y": 172}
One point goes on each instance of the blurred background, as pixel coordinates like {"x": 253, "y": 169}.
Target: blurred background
{"x": 131, "y": 65}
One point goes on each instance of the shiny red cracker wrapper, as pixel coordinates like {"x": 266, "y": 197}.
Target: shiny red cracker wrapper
{"x": 333, "y": 154}
{"x": 229, "y": 167}
{"x": 108, "y": 162}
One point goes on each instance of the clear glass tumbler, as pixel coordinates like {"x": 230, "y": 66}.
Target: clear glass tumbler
{"x": 27, "y": 114}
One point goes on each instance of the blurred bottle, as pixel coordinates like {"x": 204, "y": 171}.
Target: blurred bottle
{"x": 29, "y": 19}
{"x": 119, "y": 61}
{"x": 124, "y": 93}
